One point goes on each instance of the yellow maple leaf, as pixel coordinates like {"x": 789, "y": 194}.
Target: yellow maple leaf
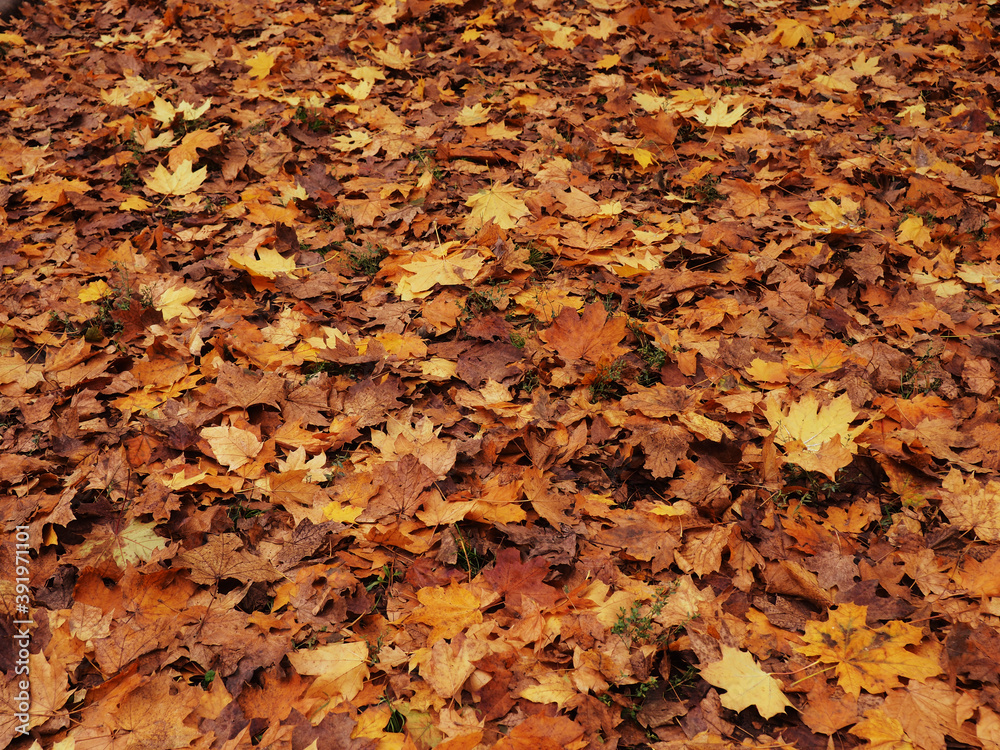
{"x": 231, "y": 445}
{"x": 789, "y": 32}
{"x": 745, "y": 683}
{"x": 686, "y": 101}
{"x": 830, "y": 458}
{"x": 94, "y": 291}
{"x": 825, "y": 357}
{"x": 913, "y": 231}
{"x": 866, "y": 659}
{"x": 188, "y": 150}
{"x": 972, "y": 505}
{"x": 54, "y": 192}
{"x": 438, "y": 267}
{"x": 447, "y": 666}
{"x": 438, "y": 369}
{"x": 260, "y": 65}
{"x": 356, "y": 139}
{"x": 650, "y": 102}
{"x": 813, "y": 425}
{"x": 341, "y": 512}
{"x": 553, "y": 687}
{"x": 720, "y": 116}
{"x": 340, "y": 668}
{"x": 357, "y": 93}
{"x": 556, "y": 35}
{"x": 499, "y": 203}
{"x": 864, "y": 65}
{"x": 12, "y": 40}
{"x": 266, "y": 262}
{"x": 474, "y": 115}
{"x": 133, "y": 203}
{"x": 834, "y": 215}
{"x": 165, "y": 112}
{"x": 128, "y": 546}
{"x": 190, "y": 112}
{"x": 882, "y": 731}
{"x": 642, "y": 156}
{"x": 767, "y": 372}
{"x": 394, "y": 57}
{"x": 173, "y": 303}
{"x": 180, "y": 182}
{"x": 840, "y": 12}
{"x": 842, "y": 79}
{"x": 448, "y": 610}
{"x": 817, "y": 438}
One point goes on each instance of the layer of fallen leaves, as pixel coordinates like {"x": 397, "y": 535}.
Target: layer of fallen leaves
{"x": 501, "y": 375}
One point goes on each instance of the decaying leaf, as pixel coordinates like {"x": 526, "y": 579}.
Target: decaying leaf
{"x": 464, "y": 375}
{"x": 865, "y": 658}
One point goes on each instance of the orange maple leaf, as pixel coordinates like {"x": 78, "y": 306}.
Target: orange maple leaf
{"x": 591, "y": 337}
{"x": 448, "y": 611}
{"x": 867, "y": 659}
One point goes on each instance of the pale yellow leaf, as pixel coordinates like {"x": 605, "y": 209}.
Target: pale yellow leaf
{"x": 181, "y": 182}
{"x": 232, "y": 446}
{"x": 499, "y": 203}
{"x": 745, "y": 683}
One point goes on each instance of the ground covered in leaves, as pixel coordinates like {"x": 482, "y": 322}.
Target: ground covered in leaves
{"x": 500, "y": 375}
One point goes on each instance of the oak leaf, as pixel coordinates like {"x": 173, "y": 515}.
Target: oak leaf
{"x": 745, "y": 683}
{"x": 864, "y": 658}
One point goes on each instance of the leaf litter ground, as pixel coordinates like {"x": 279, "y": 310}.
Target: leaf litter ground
{"x": 495, "y": 375}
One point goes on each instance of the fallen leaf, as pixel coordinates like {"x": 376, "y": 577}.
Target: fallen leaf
{"x": 867, "y": 659}
{"x": 745, "y": 683}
